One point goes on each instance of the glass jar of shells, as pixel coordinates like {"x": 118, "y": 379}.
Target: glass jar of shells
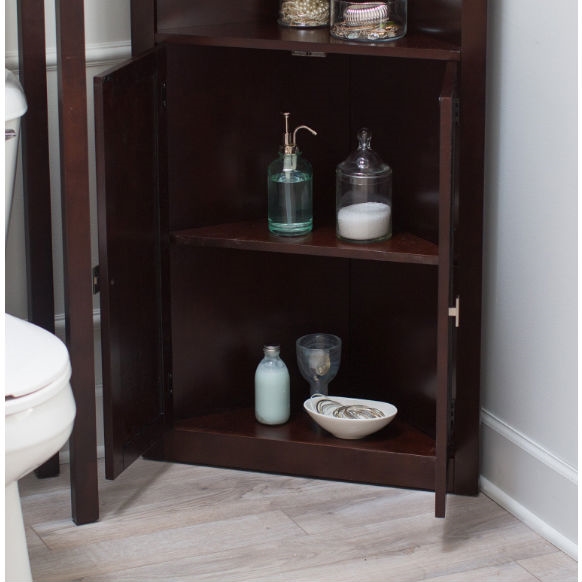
{"x": 357, "y": 21}
{"x": 304, "y": 13}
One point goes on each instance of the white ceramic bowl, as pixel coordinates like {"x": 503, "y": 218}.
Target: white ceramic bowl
{"x": 350, "y": 428}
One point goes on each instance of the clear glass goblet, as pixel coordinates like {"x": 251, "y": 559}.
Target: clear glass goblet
{"x": 318, "y": 358}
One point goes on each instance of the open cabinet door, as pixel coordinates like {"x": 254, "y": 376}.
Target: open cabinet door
{"x": 127, "y": 101}
{"x": 448, "y": 307}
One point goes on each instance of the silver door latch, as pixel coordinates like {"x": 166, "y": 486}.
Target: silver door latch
{"x": 456, "y": 311}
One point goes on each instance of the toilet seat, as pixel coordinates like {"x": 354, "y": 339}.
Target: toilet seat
{"x": 37, "y": 365}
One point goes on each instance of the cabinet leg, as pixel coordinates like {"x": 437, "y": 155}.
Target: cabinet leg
{"x": 50, "y": 468}
{"x": 439, "y": 505}
{"x": 72, "y": 76}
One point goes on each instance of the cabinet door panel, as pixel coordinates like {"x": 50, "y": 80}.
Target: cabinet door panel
{"x": 445, "y": 337}
{"x": 126, "y": 112}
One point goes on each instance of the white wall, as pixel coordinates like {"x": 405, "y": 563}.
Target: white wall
{"x": 529, "y": 394}
{"x": 529, "y": 399}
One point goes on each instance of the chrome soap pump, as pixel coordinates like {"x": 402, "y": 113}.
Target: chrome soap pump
{"x": 290, "y": 188}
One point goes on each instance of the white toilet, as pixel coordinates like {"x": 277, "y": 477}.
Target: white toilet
{"x": 38, "y": 400}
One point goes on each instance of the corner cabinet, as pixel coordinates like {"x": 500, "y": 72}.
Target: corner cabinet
{"x": 193, "y": 284}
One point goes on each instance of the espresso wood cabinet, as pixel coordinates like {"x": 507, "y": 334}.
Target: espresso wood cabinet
{"x": 193, "y": 284}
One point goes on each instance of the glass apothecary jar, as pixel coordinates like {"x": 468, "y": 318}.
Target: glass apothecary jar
{"x": 358, "y": 21}
{"x": 364, "y": 195}
{"x": 304, "y": 13}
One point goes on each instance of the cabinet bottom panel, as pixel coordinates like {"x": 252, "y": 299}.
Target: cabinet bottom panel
{"x": 398, "y": 455}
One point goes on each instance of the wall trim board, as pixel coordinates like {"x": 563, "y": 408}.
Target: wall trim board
{"x": 530, "y": 482}
{"x": 96, "y": 54}
{"x": 529, "y": 446}
{"x": 528, "y": 518}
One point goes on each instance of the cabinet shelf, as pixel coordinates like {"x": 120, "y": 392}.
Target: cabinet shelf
{"x": 255, "y": 236}
{"x": 398, "y": 455}
{"x": 261, "y": 35}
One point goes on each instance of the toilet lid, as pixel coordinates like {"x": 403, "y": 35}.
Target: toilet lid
{"x": 34, "y": 358}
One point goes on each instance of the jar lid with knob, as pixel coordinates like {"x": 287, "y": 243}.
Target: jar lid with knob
{"x": 364, "y": 194}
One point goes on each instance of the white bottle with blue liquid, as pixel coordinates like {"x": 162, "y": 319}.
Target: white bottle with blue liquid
{"x": 272, "y": 388}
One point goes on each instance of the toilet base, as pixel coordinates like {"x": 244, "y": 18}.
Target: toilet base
{"x": 17, "y": 560}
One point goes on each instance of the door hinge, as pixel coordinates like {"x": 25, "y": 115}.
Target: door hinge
{"x": 451, "y": 435}
{"x": 455, "y": 311}
{"x": 163, "y": 95}
{"x": 96, "y": 280}
{"x": 308, "y": 54}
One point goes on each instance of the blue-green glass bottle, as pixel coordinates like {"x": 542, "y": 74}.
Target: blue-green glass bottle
{"x": 290, "y": 188}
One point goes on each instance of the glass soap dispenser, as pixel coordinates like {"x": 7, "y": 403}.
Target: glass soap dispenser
{"x": 290, "y": 188}
{"x": 364, "y": 195}
{"x": 272, "y": 391}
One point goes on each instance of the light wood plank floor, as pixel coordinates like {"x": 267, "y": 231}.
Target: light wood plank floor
{"x": 168, "y": 522}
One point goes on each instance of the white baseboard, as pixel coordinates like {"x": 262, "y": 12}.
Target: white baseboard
{"x": 95, "y": 55}
{"x": 529, "y": 518}
{"x": 530, "y": 482}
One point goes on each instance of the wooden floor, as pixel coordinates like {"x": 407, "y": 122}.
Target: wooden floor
{"x": 168, "y": 522}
